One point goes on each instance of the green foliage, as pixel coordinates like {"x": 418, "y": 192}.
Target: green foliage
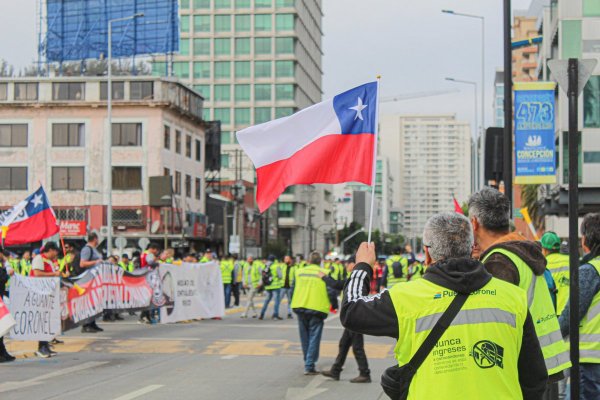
{"x": 385, "y": 243}
{"x": 278, "y": 248}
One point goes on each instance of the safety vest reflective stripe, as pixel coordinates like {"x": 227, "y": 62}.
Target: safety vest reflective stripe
{"x": 589, "y": 354}
{"x": 589, "y": 339}
{"x": 559, "y": 269}
{"x": 468, "y": 317}
{"x": 593, "y": 311}
{"x": 550, "y": 338}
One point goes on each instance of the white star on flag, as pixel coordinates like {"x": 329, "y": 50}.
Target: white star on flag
{"x": 37, "y": 201}
{"x": 358, "y": 108}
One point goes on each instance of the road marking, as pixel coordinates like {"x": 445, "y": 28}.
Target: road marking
{"x": 229, "y": 357}
{"x": 12, "y": 385}
{"x": 309, "y": 391}
{"x": 139, "y": 392}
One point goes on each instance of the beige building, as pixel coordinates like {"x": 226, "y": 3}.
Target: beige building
{"x": 53, "y": 132}
{"x": 430, "y": 159}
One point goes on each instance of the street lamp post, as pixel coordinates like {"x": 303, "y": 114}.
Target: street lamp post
{"x": 108, "y": 141}
{"x": 475, "y": 179}
{"x": 479, "y": 177}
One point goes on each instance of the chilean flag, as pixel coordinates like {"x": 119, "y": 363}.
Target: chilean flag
{"x": 329, "y": 142}
{"x": 29, "y": 221}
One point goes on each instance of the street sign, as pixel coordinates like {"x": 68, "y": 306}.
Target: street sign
{"x": 234, "y": 244}
{"x": 180, "y": 243}
{"x": 143, "y": 243}
{"x": 73, "y": 228}
{"x": 560, "y": 72}
{"x": 121, "y": 242}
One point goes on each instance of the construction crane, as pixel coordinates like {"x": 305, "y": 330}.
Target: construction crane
{"x": 417, "y": 95}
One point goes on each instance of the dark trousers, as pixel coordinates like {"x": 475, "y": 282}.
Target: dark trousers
{"x": 227, "y": 291}
{"x": 235, "y": 290}
{"x": 356, "y": 341}
{"x": 333, "y": 298}
{"x": 590, "y": 381}
{"x": 43, "y": 344}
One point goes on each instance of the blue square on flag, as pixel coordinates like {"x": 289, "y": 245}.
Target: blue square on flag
{"x": 356, "y": 109}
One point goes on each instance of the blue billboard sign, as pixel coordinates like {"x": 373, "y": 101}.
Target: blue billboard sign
{"x": 78, "y": 29}
{"x": 534, "y": 133}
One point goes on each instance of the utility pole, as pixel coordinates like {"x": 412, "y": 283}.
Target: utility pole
{"x": 508, "y": 105}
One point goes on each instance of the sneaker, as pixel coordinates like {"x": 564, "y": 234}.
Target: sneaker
{"x": 5, "y": 357}
{"x": 52, "y": 352}
{"x": 261, "y": 317}
{"x": 361, "y": 379}
{"x": 56, "y": 341}
{"x": 277, "y": 317}
{"x": 43, "y": 352}
{"x": 255, "y": 316}
{"x": 96, "y": 327}
{"x": 88, "y": 329}
{"x": 290, "y": 316}
{"x": 119, "y": 318}
{"x": 311, "y": 372}
{"x": 243, "y": 316}
{"x": 331, "y": 374}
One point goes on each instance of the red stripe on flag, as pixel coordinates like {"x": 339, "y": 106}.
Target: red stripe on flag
{"x": 33, "y": 229}
{"x": 329, "y": 159}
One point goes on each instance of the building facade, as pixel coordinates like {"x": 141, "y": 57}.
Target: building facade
{"x": 430, "y": 158}
{"x": 53, "y": 131}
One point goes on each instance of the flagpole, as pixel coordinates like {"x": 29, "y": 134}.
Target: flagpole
{"x": 374, "y": 180}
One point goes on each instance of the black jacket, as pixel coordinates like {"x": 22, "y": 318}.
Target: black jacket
{"x": 375, "y": 315}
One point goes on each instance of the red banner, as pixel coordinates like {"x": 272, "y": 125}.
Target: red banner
{"x": 73, "y": 228}
{"x": 6, "y": 320}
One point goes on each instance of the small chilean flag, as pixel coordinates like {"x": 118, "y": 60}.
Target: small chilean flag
{"x": 457, "y": 207}
{"x": 29, "y": 221}
{"x": 329, "y": 142}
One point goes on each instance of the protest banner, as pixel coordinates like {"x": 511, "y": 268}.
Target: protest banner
{"x": 196, "y": 290}
{"x": 35, "y": 307}
{"x": 6, "y": 320}
{"x": 109, "y": 287}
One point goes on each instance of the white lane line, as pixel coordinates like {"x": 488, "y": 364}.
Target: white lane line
{"x": 12, "y": 385}
{"x": 140, "y": 392}
{"x": 229, "y": 357}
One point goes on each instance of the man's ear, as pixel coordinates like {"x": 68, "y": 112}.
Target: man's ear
{"x": 475, "y": 224}
{"x": 428, "y": 260}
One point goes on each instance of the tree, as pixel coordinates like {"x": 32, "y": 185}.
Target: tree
{"x": 529, "y": 199}
{"x": 277, "y": 248}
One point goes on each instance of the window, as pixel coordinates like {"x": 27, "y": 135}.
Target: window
{"x": 13, "y": 178}
{"x": 3, "y": 91}
{"x": 262, "y": 23}
{"x": 242, "y": 3}
{"x": 242, "y": 46}
{"x": 184, "y": 4}
{"x": 242, "y": 92}
{"x": 68, "y": 135}
{"x": 142, "y": 90}
{"x": 13, "y": 135}
{"x": 263, "y": 3}
{"x": 284, "y": 92}
{"x": 178, "y": 142}
{"x": 166, "y": 172}
{"x": 222, "y": 93}
{"x": 222, "y": 69}
{"x": 159, "y": 69}
{"x": 206, "y": 114}
{"x": 177, "y": 182}
{"x": 284, "y": 22}
{"x": 204, "y": 90}
{"x": 242, "y": 69}
{"x": 26, "y": 91}
{"x": 222, "y": 23}
{"x": 201, "y": 3}
{"x": 188, "y": 186}
{"x": 286, "y": 210}
{"x": 118, "y": 90}
{"x": 591, "y": 103}
{"x": 284, "y": 3}
{"x": 198, "y": 150}
{"x": 67, "y": 178}
{"x": 223, "y": 115}
{"x": 284, "y": 69}
{"x": 202, "y": 70}
{"x": 184, "y": 47}
{"x": 202, "y": 47}
{"x": 281, "y": 112}
{"x": 262, "y": 69}
{"x": 181, "y": 69}
{"x": 242, "y": 116}
{"x": 262, "y": 92}
{"x": 591, "y": 157}
{"x": 225, "y": 137}
{"x": 198, "y": 189}
{"x": 127, "y": 134}
{"x": 185, "y": 23}
{"x": 262, "y": 45}
{"x": 188, "y": 146}
{"x": 242, "y": 23}
{"x": 223, "y": 46}
{"x": 127, "y": 178}
{"x": 68, "y": 91}
{"x": 224, "y": 160}
{"x": 222, "y": 4}
{"x": 201, "y": 24}
{"x": 262, "y": 114}
{"x": 284, "y": 45}
{"x": 167, "y": 137}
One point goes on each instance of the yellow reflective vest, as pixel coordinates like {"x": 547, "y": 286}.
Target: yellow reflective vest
{"x": 589, "y": 332}
{"x": 310, "y": 291}
{"x": 391, "y": 279}
{"x": 477, "y": 355}
{"x": 276, "y": 270}
{"x": 554, "y": 348}
{"x": 227, "y": 267}
{"x": 558, "y": 265}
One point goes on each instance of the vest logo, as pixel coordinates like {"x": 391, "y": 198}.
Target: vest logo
{"x": 545, "y": 318}
{"x": 488, "y": 354}
{"x": 564, "y": 281}
{"x": 438, "y": 295}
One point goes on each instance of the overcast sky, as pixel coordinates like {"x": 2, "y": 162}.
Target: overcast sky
{"x": 409, "y": 42}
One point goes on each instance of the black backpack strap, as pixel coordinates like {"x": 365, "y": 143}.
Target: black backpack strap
{"x": 438, "y": 330}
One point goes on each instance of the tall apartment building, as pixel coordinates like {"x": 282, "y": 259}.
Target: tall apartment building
{"x": 53, "y": 132}
{"x": 430, "y": 158}
{"x": 571, "y": 29}
{"x": 254, "y": 61}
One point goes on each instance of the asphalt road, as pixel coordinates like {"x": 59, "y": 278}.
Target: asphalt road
{"x": 229, "y": 359}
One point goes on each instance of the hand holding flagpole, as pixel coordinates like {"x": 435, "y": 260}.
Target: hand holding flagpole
{"x": 374, "y": 180}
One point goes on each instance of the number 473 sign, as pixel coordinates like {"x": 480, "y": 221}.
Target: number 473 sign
{"x": 534, "y": 133}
